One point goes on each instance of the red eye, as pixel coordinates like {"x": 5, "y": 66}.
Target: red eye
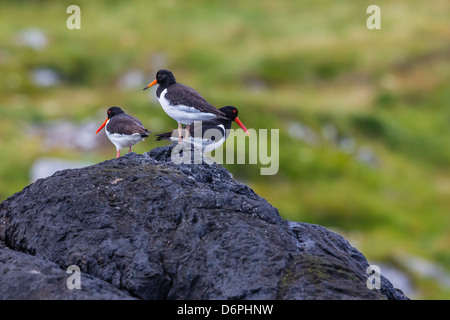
{"x": 234, "y": 111}
{"x": 109, "y": 111}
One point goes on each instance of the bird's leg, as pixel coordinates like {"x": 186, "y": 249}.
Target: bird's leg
{"x": 129, "y": 150}
{"x": 179, "y": 132}
{"x": 186, "y": 132}
{"x": 118, "y": 153}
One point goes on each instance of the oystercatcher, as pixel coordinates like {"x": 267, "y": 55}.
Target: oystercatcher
{"x": 212, "y": 133}
{"x": 182, "y": 103}
{"x": 123, "y": 130}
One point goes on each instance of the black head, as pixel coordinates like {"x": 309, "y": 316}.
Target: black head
{"x": 164, "y": 78}
{"x": 110, "y": 113}
{"x": 231, "y": 112}
{"x": 114, "y": 111}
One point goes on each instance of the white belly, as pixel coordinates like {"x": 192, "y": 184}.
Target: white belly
{"x": 181, "y": 113}
{"x": 122, "y": 141}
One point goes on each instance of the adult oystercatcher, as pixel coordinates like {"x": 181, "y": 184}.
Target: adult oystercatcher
{"x": 208, "y": 135}
{"x": 123, "y": 130}
{"x": 182, "y": 103}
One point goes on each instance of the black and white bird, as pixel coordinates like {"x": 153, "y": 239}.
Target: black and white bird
{"x": 182, "y": 103}
{"x": 123, "y": 130}
{"x": 208, "y": 135}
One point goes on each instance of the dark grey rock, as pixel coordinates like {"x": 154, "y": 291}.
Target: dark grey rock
{"x": 157, "y": 230}
{"x": 24, "y": 276}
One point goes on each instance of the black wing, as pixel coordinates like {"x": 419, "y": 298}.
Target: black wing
{"x": 184, "y": 95}
{"x": 126, "y": 124}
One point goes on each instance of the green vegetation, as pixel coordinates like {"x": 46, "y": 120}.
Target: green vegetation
{"x": 281, "y": 63}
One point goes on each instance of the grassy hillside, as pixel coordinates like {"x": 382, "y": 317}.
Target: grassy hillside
{"x": 363, "y": 115}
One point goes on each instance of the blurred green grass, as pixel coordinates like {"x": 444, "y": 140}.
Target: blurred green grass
{"x": 281, "y": 63}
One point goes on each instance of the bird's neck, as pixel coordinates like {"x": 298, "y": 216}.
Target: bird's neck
{"x": 161, "y": 88}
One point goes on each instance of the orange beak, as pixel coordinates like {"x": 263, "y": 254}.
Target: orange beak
{"x": 151, "y": 84}
{"x": 241, "y": 125}
{"x": 101, "y": 127}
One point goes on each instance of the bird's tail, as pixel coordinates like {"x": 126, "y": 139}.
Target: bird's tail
{"x": 163, "y": 136}
{"x": 145, "y": 134}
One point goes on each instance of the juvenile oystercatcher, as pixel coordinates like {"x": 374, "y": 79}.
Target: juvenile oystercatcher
{"x": 182, "y": 103}
{"x": 123, "y": 130}
{"x": 212, "y": 133}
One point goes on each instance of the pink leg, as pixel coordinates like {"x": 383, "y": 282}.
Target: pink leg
{"x": 186, "y": 132}
{"x": 179, "y": 132}
{"x": 129, "y": 150}
{"x": 118, "y": 154}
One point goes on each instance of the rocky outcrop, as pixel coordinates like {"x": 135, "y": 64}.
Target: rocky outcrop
{"x": 142, "y": 227}
{"x": 24, "y": 276}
